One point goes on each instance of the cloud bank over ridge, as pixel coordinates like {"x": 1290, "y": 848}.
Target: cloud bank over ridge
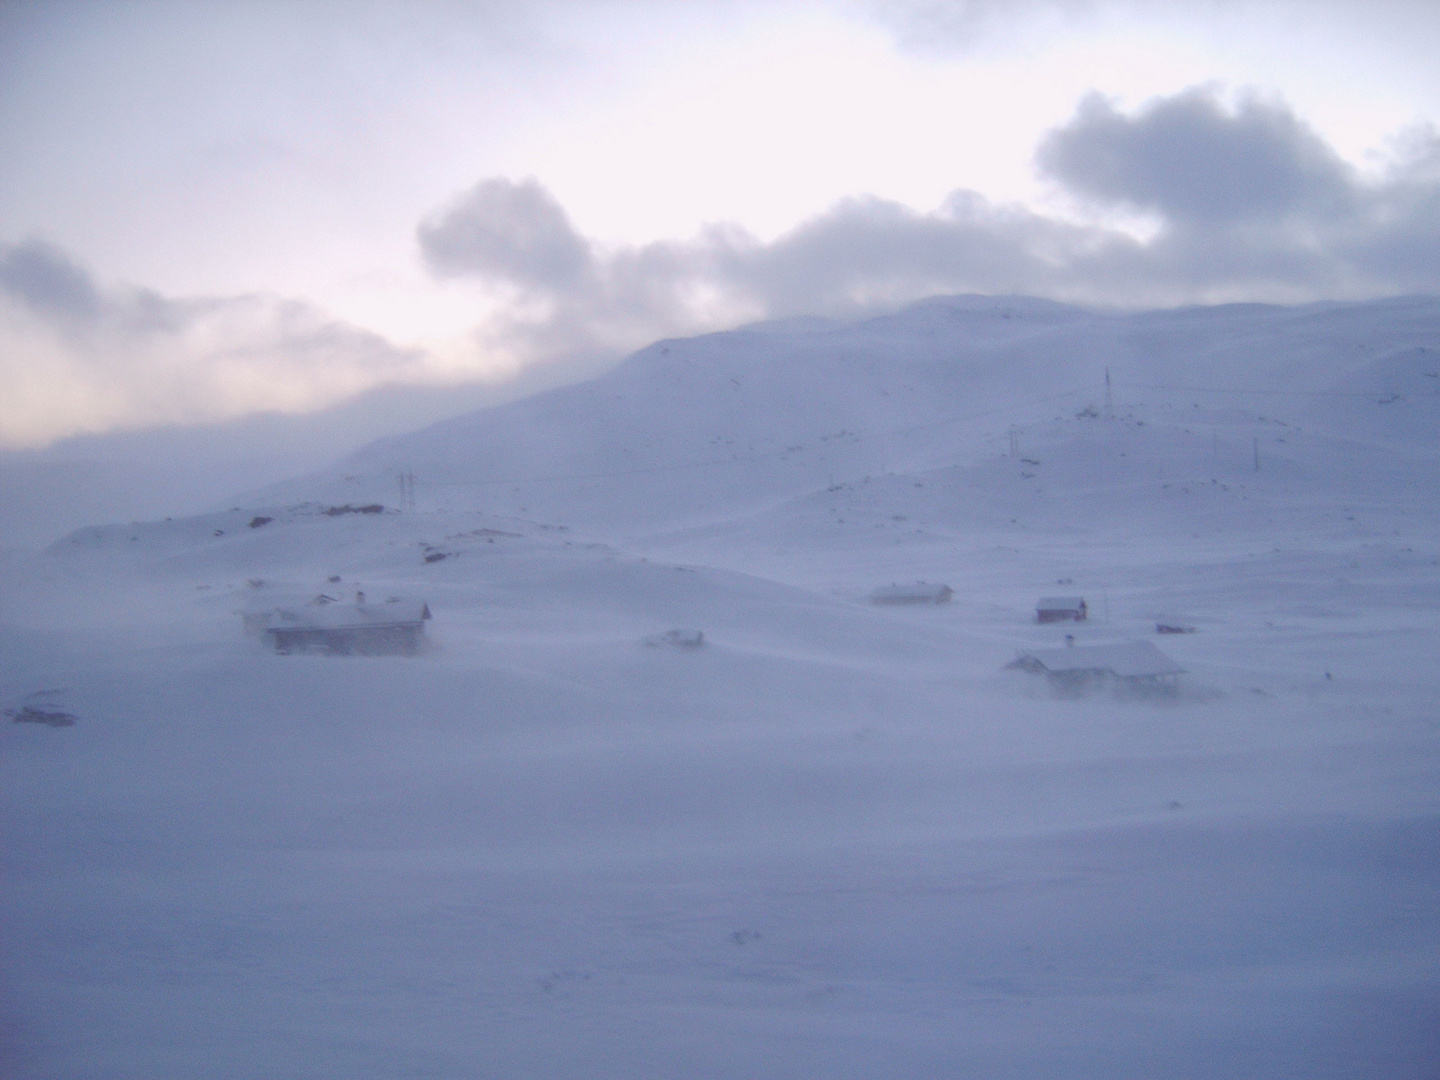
{"x": 1238, "y": 198}
{"x": 1246, "y": 201}
{"x": 80, "y": 357}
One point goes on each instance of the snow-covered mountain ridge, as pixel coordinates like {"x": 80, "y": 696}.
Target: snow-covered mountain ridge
{"x": 730, "y": 425}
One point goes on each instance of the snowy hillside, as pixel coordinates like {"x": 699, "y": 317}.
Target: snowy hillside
{"x": 837, "y": 838}
{"x": 729, "y": 423}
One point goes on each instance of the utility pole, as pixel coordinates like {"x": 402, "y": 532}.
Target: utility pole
{"x": 1014, "y": 442}
{"x": 1109, "y": 402}
{"x": 407, "y": 492}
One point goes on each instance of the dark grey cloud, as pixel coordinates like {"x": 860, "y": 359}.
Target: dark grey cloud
{"x": 1249, "y": 203}
{"x": 512, "y": 230}
{"x": 516, "y": 235}
{"x": 1395, "y": 237}
{"x": 1193, "y": 160}
{"x": 869, "y": 252}
{"x": 47, "y": 280}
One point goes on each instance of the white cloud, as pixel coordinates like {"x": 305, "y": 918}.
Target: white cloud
{"x": 76, "y": 357}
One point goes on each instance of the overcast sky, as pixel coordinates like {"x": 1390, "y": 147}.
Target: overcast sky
{"x": 208, "y": 209}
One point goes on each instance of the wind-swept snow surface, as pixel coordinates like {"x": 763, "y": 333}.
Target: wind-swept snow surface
{"x": 826, "y": 837}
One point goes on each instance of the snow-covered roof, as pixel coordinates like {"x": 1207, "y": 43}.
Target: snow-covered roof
{"x": 1060, "y": 603}
{"x": 261, "y": 602}
{"x": 349, "y": 616}
{"x": 1127, "y": 659}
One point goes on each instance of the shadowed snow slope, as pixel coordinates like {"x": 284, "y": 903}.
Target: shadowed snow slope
{"x": 686, "y": 431}
{"x": 835, "y": 839}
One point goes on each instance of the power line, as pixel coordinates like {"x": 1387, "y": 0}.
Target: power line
{"x": 764, "y": 455}
{"x": 407, "y": 492}
{"x": 407, "y": 479}
{"x": 1292, "y": 393}
{"x": 650, "y": 470}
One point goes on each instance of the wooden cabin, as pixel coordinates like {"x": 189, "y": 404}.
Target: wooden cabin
{"x": 1061, "y": 609}
{"x": 393, "y": 628}
{"x": 1130, "y": 668}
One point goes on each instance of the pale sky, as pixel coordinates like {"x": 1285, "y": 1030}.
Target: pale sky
{"x": 208, "y": 209}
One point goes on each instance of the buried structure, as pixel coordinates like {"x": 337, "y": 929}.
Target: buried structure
{"x": 1061, "y": 609}
{"x": 1126, "y": 667}
{"x": 919, "y": 592}
{"x": 393, "y": 628}
{"x": 678, "y": 638}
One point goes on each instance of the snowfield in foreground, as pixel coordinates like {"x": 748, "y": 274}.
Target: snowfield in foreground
{"x": 833, "y": 838}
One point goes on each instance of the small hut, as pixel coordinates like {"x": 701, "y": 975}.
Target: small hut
{"x": 1061, "y": 609}
{"x": 393, "y": 628}
{"x": 920, "y": 592}
{"x": 1127, "y": 667}
{"x": 679, "y": 638}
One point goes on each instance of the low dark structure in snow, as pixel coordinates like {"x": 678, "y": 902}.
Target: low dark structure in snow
{"x": 40, "y": 714}
{"x": 918, "y": 593}
{"x": 1060, "y": 609}
{"x": 1128, "y": 667}
{"x": 680, "y": 639}
{"x": 333, "y": 628}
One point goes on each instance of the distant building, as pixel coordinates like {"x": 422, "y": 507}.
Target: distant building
{"x": 333, "y": 628}
{"x": 679, "y": 638}
{"x": 919, "y": 593}
{"x": 1129, "y": 667}
{"x": 1061, "y": 609}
